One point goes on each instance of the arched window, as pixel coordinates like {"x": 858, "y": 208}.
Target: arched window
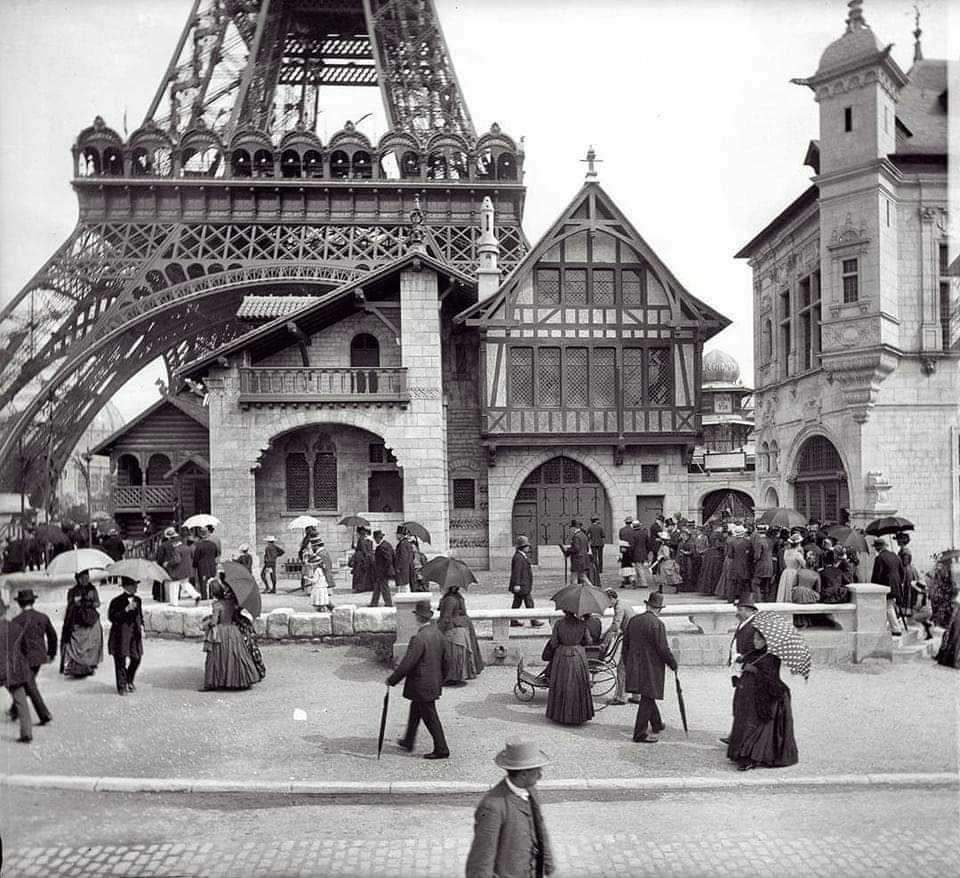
{"x": 410, "y": 165}
{"x": 297, "y": 474}
{"x": 774, "y": 458}
{"x": 240, "y": 163}
{"x": 437, "y": 166}
{"x": 312, "y": 164}
{"x": 325, "y": 475}
{"x": 128, "y": 471}
{"x": 263, "y": 163}
{"x": 820, "y": 484}
{"x": 486, "y": 164}
{"x": 175, "y": 273}
{"x": 763, "y": 462}
{"x": 339, "y": 165}
{"x": 771, "y": 499}
{"x": 364, "y": 352}
{"x": 157, "y": 468}
{"x": 362, "y": 167}
{"x": 506, "y": 167}
{"x": 112, "y": 162}
{"x": 89, "y": 163}
{"x": 766, "y": 342}
{"x": 290, "y": 165}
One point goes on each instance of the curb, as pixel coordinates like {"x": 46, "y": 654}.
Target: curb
{"x": 401, "y": 789}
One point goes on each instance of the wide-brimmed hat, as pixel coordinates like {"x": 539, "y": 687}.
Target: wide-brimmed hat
{"x": 170, "y": 532}
{"x": 628, "y": 520}
{"x": 594, "y": 517}
{"x": 112, "y": 531}
{"x": 760, "y": 526}
{"x": 25, "y": 596}
{"x": 521, "y": 754}
{"x": 611, "y": 593}
{"x": 796, "y": 539}
{"x": 655, "y": 600}
{"x": 316, "y": 541}
{"x": 748, "y": 600}
{"x": 271, "y": 539}
{"x": 401, "y": 530}
{"x": 636, "y": 524}
{"x": 522, "y": 541}
{"x": 879, "y": 543}
{"x": 244, "y": 547}
{"x": 423, "y": 610}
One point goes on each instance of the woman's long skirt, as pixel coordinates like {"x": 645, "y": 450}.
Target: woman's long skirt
{"x": 689, "y": 572}
{"x": 569, "y": 700}
{"x": 788, "y": 579}
{"x": 229, "y": 663}
{"x": 249, "y": 635}
{"x": 84, "y": 650}
{"x": 726, "y": 587}
{"x": 645, "y": 577}
{"x": 768, "y": 743}
{"x": 478, "y": 664}
{"x": 461, "y": 657}
{"x": 949, "y": 652}
{"x": 710, "y": 571}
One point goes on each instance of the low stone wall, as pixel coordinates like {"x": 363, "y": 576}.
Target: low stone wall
{"x": 699, "y": 634}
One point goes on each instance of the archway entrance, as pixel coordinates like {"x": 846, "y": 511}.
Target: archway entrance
{"x": 820, "y": 484}
{"x": 727, "y": 504}
{"x": 554, "y": 493}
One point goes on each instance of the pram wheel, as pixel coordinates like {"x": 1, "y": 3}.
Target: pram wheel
{"x": 523, "y": 692}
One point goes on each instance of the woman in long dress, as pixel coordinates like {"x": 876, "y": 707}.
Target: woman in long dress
{"x": 456, "y": 626}
{"x": 949, "y": 652}
{"x": 668, "y": 573}
{"x": 318, "y": 573}
{"x": 82, "y": 631}
{"x": 229, "y": 663}
{"x": 793, "y": 560}
{"x": 712, "y": 565}
{"x": 726, "y": 588}
{"x": 569, "y": 700}
{"x": 362, "y": 562}
{"x": 762, "y": 734}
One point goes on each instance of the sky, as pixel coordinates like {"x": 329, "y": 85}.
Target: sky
{"x": 688, "y": 103}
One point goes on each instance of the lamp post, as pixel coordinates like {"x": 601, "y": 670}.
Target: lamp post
{"x": 84, "y": 468}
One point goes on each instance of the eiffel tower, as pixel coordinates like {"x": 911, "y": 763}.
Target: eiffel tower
{"x": 226, "y": 189}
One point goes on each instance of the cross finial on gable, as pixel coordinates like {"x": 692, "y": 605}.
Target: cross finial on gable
{"x": 591, "y": 161}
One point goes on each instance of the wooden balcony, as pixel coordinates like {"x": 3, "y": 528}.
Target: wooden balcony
{"x": 143, "y": 497}
{"x": 298, "y": 385}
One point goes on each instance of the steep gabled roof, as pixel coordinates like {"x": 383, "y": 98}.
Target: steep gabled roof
{"x": 191, "y": 409}
{"x": 592, "y": 209}
{"x": 321, "y": 309}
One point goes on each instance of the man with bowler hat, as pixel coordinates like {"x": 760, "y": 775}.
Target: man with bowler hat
{"x": 383, "y": 570}
{"x": 39, "y": 647}
{"x": 645, "y": 654}
{"x": 521, "y": 581}
{"x": 424, "y": 667}
{"x": 598, "y": 539}
{"x": 762, "y": 549}
{"x": 509, "y": 836}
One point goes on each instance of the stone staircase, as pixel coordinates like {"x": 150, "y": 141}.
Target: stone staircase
{"x": 911, "y": 646}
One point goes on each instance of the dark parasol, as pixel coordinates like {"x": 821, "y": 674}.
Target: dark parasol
{"x": 890, "y": 524}
{"x": 581, "y": 600}
{"x": 418, "y": 530}
{"x": 243, "y": 586}
{"x": 447, "y": 572}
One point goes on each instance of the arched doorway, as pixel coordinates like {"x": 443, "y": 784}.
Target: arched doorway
{"x": 364, "y": 352}
{"x": 727, "y": 504}
{"x": 820, "y": 484}
{"x": 553, "y": 494}
{"x": 771, "y": 499}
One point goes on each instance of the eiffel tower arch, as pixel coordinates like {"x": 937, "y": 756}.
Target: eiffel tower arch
{"x": 227, "y": 189}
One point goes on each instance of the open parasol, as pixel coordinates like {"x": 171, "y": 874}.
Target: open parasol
{"x": 418, "y": 530}
{"x": 383, "y": 722}
{"x": 581, "y": 599}
{"x": 140, "y": 569}
{"x": 683, "y": 706}
{"x": 301, "y": 522}
{"x": 243, "y": 585}
{"x": 202, "y": 519}
{"x": 79, "y": 559}
{"x": 784, "y": 641}
{"x": 783, "y": 517}
{"x": 891, "y": 524}
{"x": 849, "y": 538}
{"x": 354, "y": 521}
{"x": 447, "y": 572}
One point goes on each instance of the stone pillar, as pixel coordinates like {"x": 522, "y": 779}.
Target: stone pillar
{"x": 407, "y": 623}
{"x": 871, "y": 639}
{"x": 421, "y": 444}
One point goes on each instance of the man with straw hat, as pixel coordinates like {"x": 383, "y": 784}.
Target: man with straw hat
{"x": 424, "y": 667}
{"x": 509, "y": 836}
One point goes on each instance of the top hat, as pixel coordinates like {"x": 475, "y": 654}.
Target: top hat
{"x": 748, "y": 600}
{"x": 520, "y": 754}
{"x": 522, "y": 541}
{"x": 170, "y": 532}
{"x": 401, "y": 530}
{"x": 25, "y": 596}
{"x": 655, "y": 600}
{"x": 423, "y": 611}
{"x": 271, "y": 539}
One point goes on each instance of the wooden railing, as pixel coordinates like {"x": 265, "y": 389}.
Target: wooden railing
{"x": 303, "y": 383}
{"x": 144, "y": 497}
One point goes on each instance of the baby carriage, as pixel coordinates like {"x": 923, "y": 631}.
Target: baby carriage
{"x": 602, "y": 660}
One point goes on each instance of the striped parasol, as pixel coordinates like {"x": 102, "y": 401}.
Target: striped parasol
{"x": 784, "y": 641}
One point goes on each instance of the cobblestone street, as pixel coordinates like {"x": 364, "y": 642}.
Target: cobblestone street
{"x": 830, "y": 832}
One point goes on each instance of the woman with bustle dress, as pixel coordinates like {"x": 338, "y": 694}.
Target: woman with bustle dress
{"x": 762, "y": 734}
{"x": 944, "y": 593}
{"x": 456, "y": 626}
{"x": 230, "y": 663}
{"x": 361, "y": 562}
{"x": 569, "y": 700}
{"x": 82, "y": 640}
{"x": 793, "y": 560}
{"x": 712, "y": 564}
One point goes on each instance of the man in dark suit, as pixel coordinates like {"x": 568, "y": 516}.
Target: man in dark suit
{"x": 645, "y": 654}
{"x": 521, "y": 581}
{"x": 424, "y": 667}
{"x": 405, "y": 561}
{"x": 14, "y": 674}
{"x": 579, "y": 553}
{"x": 626, "y": 535}
{"x": 597, "y": 538}
{"x": 641, "y": 547}
{"x": 384, "y": 570}
{"x": 113, "y": 545}
{"x": 125, "y": 643}
{"x": 39, "y": 647}
{"x": 739, "y": 553}
{"x": 888, "y": 571}
{"x": 509, "y": 835}
{"x": 762, "y": 549}
{"x": 205, "y": 554}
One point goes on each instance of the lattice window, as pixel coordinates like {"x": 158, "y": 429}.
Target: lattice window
{"x": 575, "y": 286}
{"x": 632, "y": 377}
{"x": 588, "y": 476}
{"x": 850, "y": 274}
{"x": 649, "y": 472}
{"x": 528, "y": 493}
{"x": 658, "y": 376}
{"x": 548, "y": 286}
{"x": 604, "y": 287}
{"x": 603, "y": 378}
{"x": 632, "y": 284}
{"x": 325, "y": 480}
{"x": 298, "y": 482}
{"x": 464, "y": 494}
{"x": 521, "y": 377}
{"x": 377, "y": 452}
{"x": 548, "y": 377}
{"x": 571, "y": 471}
{"x": 552, "y": 471}
{"x": 819, "y": 455}
{"x": 576, "y": 378}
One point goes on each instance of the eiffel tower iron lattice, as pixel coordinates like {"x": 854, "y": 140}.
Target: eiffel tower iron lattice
{"x": 226, "y": 189}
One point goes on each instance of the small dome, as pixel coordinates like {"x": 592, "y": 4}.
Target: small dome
{"x": 720, "y": 368}
{"x": 859, "y": 42}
